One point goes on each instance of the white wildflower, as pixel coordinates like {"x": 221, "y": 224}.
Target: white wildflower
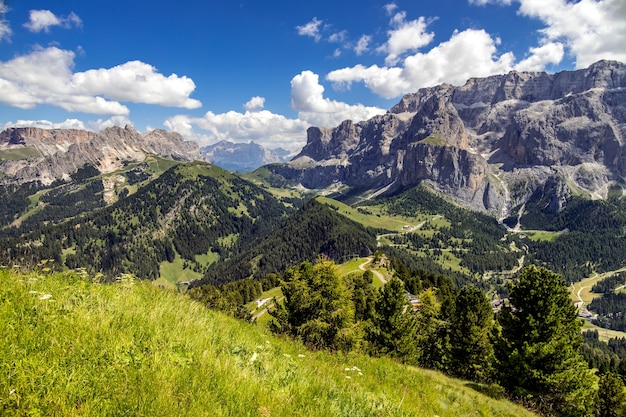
{"x": 286, "y": 355}
{"x": 348, "y": 376}
{"x": 301, "y": 355}
{"x": 254, "y": 357}
{"x": 45, "y": 296}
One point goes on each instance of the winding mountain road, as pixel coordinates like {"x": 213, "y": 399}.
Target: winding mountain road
{"x": 378, "y": 274}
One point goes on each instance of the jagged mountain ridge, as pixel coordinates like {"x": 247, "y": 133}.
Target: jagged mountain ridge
{"x": 49, "y": 154}
{"x": 491, "y": 144}
{"x": 242, "y": 157}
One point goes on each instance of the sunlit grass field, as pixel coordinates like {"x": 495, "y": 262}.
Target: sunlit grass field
{"x": 73, "y": 347}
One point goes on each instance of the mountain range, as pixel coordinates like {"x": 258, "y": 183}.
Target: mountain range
{"x": 242, "y": 157}
{"x": 491, "y": 144}
{"x": 533, "y": 150}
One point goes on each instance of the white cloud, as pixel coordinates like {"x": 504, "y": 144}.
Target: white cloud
{"x": 46, "y": 124}
{"x": 269, "y": 129}
{"x": 5, "y": 28}
{"x": 45, "y": 76}
{"x": 540, "y": 57}
{"x": 471, "y": 53}
{"x": 406, "y": 37}
{"x": 362, "y": 45}
{"x": 100, "y": 124}
{"x": 43, "y": 20}
{"x": 263, "y": 127}
{"x": 256, "y": 103}
{"x": 338, "y": 37}
{"x": 311, "y": 29}
{"x": 590, "y": 29}
{"x": 137, "y": 82}
{"x": 307, "y": 97}
{"x": 390, "y": 8}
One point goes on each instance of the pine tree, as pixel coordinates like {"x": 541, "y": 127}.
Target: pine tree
{"x": 431, "y": 338}
{"x": 392, "y": 329}
{"x": 538, "y": 350}
{"x": 611, "y": 397}
{"x": 317, "y": 308}
{"x": 471, "y": 349}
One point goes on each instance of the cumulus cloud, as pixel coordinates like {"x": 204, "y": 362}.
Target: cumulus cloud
{"x": 46, "y": 124}
{"x": 590, "y": 29}
{"x": 405, "y": 37}
{"x": 43, "y": 20}
{"x": 98, "y": 125}
{"x": 45, "y": 76}
{"x": 307, "y": 97}
{"x": 263, "y": 127}
{"x": 256, "y": 103}
{"x": 541, "y": 56}
{"x": 5, "y": 28}
{"x": 269, "y": 129}
{"x": 470, "y": 53}
{"x": 311, "y": 29}
{"x": 338, "y": 37}
{"x": 362, "y": 44}
{"x": 137, "y": 82}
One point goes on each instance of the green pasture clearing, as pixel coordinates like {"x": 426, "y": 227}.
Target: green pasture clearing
{"x": 173, "y": 272}
{"x": 603, "y": 334}
{"x": 541, "y": 235}
{"x": 376, "y": 219}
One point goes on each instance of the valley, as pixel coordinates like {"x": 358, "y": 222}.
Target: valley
{"x": 440, "y": 235}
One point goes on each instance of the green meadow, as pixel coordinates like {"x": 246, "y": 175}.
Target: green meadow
{"x": 75, "y": 347}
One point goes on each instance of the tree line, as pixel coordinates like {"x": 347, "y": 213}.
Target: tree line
{"x": 529, "y": 351}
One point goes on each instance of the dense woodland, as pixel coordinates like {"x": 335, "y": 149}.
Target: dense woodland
{"x": 314, "y": 230}
{"x": 530, "y": 351}
{"x": 188, "y": 210}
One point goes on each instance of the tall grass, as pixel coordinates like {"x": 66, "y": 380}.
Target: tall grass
{"x": 72, "y": 347}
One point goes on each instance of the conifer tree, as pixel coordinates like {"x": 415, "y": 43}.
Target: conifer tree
{"x": 432, "y": 339}
{"x": 317, "y": 308}
{"x": 392, "y": 329}
{"x": 611, "y": 396}
{"x": 471, "y": 349}
{"x": 538, "y": 350}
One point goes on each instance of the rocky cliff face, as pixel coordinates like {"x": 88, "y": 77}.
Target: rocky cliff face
{"x": 29, "y": 154}
{"x": 490, "y": 144}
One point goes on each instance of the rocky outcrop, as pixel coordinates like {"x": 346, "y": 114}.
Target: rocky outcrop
{"x": 56, "y": 154}
{"x": 490, "y": 144}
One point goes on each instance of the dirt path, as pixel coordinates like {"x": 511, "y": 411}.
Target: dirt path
{"x": 378, "y": 274}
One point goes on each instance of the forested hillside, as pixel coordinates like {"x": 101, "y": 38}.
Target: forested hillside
{"x": 315, "y": 230}
{"x": 191, "y": 209}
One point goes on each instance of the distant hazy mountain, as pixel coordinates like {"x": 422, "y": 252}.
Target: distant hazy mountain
{"x": 242, "y": 157}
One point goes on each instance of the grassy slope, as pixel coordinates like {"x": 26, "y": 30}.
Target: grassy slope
{"x": 73, "y": 347}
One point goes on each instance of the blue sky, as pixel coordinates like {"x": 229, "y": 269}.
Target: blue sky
{"x": 267, "y": 70}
